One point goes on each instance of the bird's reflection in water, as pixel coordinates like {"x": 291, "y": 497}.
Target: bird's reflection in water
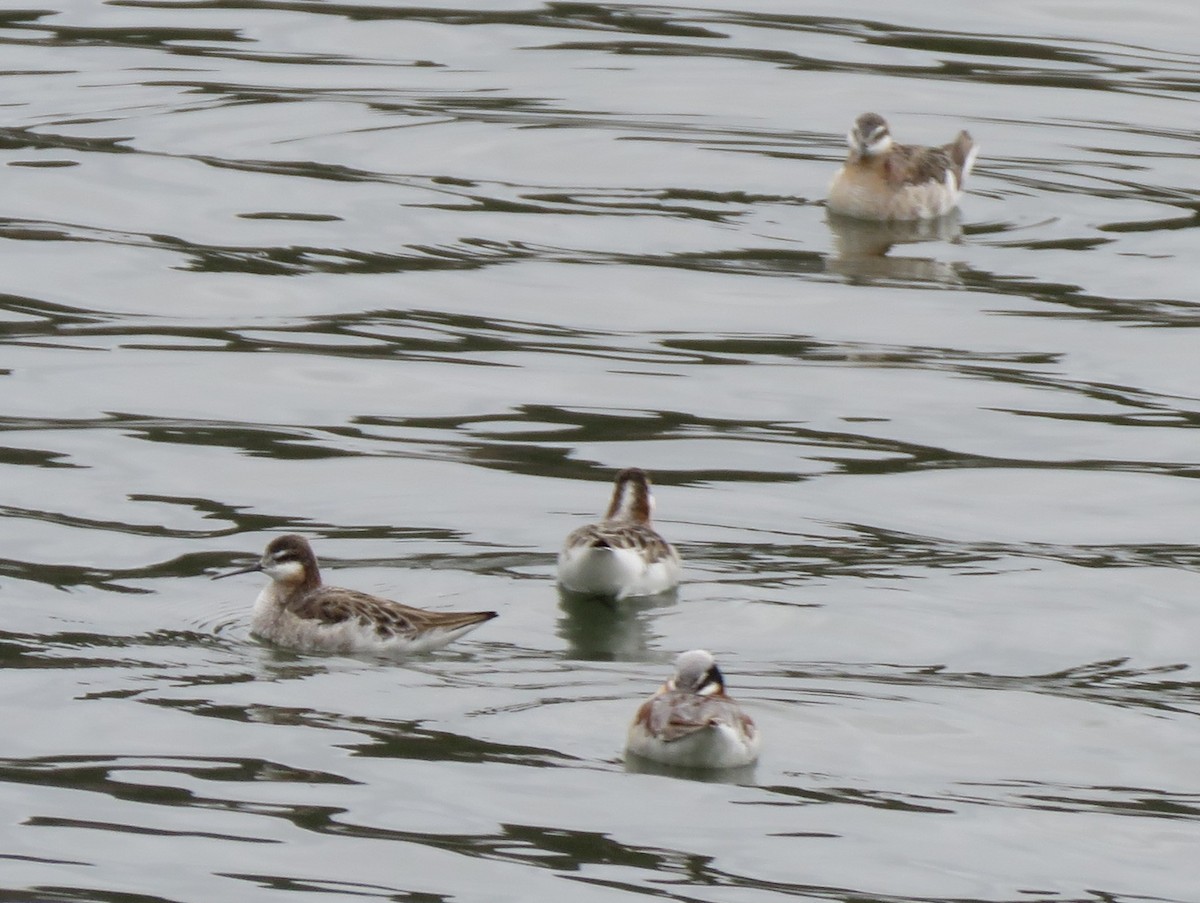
{"x": 604, "y": 630}
{"x": 742, "y": 775}
{"x": 862, "y": 248}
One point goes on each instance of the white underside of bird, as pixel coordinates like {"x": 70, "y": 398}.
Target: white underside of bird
{"x": 618, "y": 573}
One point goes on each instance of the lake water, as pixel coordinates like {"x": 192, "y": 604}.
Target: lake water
{"x": 417, "y": 281}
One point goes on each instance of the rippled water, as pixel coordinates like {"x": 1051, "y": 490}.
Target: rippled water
{"x": 416, "y": 281}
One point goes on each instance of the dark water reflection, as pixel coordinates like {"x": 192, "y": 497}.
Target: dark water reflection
{"x": 602, "y": 630}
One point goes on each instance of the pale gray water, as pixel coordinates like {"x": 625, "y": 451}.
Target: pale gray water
{"x": 416, "y": 281}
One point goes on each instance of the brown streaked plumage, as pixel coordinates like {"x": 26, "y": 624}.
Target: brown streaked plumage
{"x": 691, "y": 722}
{"x": 623, "y": 555}
{"x": 882, "y": 180}
{"x": 298, "y": 611}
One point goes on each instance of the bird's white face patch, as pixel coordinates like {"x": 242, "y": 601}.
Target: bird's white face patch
{"x": 288, "y": 570}
{"x": 879, "y": 141}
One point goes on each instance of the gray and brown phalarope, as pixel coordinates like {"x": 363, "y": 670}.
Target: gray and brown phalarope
{"x": 297, "y": 611}
{"x": 882, "y": 180}
{"x": 623, "y": 555}
{"x": 691, "y": 723}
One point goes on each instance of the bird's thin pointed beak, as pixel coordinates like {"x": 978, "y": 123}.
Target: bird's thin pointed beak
{"x": 257, "y": 566}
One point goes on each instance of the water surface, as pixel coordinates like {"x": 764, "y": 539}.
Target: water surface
{"x": 417, "y": 281}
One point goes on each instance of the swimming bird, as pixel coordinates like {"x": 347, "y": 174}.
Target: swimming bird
{"x": 297, "y": 611}
{"x": 882, "y": 180}
{"x": 691, "y": 723}
{"x": 622, "y": 555}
